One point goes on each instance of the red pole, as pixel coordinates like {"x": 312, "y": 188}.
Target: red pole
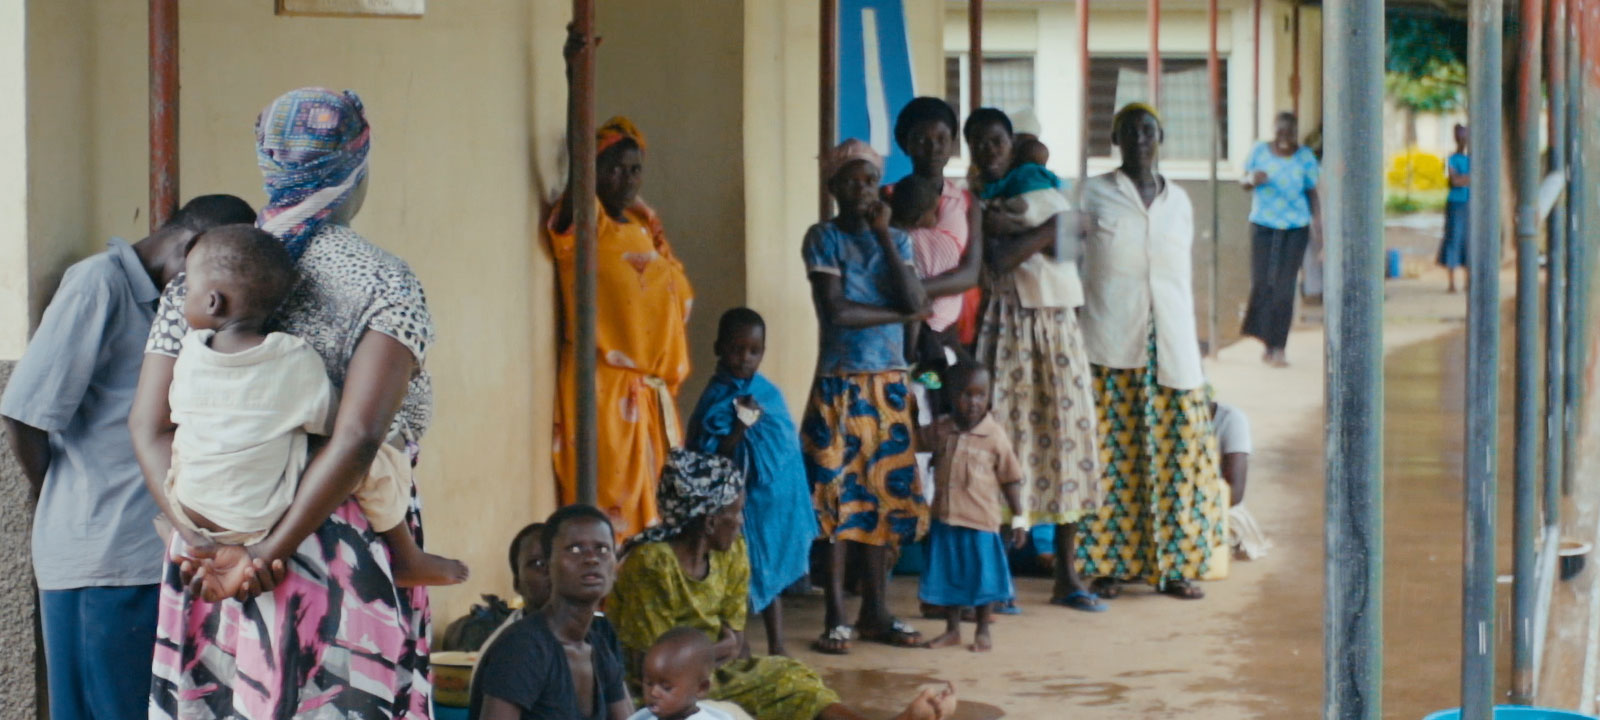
{"x": 1083, "y": 96}
{"x": 1155, "y": 52}
{"x": 581, "y": 157}
{"x": 1255, "y": 72}
{"x": 828, "y": 101}
{"x": 1294, "y": 67}
{"x": 974, "y": 55}
{"x": 1214, "y": 74}
{"x": 163, "y": 111}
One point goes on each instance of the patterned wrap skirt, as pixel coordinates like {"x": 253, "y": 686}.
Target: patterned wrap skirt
{"x": 1165, "y": 512}
{"x": 1044, "y": 396}
{"x": 336, "y": 639}
{"x": 858, "y": 438}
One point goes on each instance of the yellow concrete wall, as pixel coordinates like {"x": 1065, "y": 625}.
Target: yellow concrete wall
{"x": 13, "y": 182}
{"x": 673, "y": 67}
{"x": 461, "y": 150}
{"x": 60, "y": 145}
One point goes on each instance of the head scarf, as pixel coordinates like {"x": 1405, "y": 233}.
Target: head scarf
{"x": 1128, "y": 111}
{"x": 311, "y": 145}
{"x": 693, "y": 485}
{"x": 614, "y": 131}
{"x": 848, "y": 152}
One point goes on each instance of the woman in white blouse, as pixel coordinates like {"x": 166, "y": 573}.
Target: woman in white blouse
{"x": 1163, "y": 513}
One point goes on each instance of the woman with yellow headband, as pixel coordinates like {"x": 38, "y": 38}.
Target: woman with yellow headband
{"x": 1163, "y": 511}
{"x": 641, "y": 348}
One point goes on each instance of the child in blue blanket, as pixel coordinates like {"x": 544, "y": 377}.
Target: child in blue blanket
{"x": 742, "y": 416}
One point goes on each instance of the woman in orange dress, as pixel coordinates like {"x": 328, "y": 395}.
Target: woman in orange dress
{"x": 642, "y": 354}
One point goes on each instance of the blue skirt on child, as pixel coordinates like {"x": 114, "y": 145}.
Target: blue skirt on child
{"x": 966, "y": 567}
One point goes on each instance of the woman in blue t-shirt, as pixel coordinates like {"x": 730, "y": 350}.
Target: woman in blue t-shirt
{"x": 1283, "y": 215}
{"x": 1453, "y": 249}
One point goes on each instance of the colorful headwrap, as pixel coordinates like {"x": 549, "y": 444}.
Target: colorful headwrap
{"x": 311, "y": 145}
{"x": 614, "y": 131}
{"x": 848, "y": 152}
{"x": 1128, "y": 111}
{"x": 693, "y": 485}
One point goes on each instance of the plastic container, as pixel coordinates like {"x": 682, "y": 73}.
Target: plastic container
{"x": 1393, "y": 264}
{"x": 1574, "y": 555}
{"x": 1516, "y": 712}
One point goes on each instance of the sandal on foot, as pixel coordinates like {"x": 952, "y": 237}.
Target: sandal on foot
{"x": 1080, "y": 600}
{"x": 1105, "y": 588}
{"x": 836, "y": 641}
{"x": 898, "y": 634}
{"x": 1008, "y": 607}
{"x": 1183, "y": 590}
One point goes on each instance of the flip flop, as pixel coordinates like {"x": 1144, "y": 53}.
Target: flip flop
{"x": 1080, "y": 600}
{"x": 1008, "y": 607}
{"x": 898, "y": 634}
{"x": 839, "y": 636}
{"x": 1105, "y": 588}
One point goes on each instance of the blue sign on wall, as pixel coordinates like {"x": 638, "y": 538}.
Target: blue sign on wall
{"x": 875, "y": 78}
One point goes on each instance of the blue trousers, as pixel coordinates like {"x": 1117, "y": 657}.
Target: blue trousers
{"x": 98, "y": 645}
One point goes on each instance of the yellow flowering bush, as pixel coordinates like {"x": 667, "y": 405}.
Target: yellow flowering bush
{"x": 1425, "y": 170}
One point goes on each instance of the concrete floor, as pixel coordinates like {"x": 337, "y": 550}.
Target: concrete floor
{"x": 1253, "y": 647}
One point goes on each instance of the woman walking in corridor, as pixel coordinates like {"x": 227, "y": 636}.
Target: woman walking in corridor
{"x": 1162, "y": 513}
{"x": 1284, "y": 213}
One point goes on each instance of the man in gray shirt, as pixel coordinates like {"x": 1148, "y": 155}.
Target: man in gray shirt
{"x": 96, "y": 556}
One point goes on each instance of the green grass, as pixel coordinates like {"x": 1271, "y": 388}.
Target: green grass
{"x": 1399, "y": 202}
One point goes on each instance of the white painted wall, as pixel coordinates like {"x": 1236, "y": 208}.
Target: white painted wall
{"x": 1048, "y": 31}
{"x": 13, "y": 181}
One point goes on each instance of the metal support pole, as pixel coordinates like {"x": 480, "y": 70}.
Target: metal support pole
{"x": 1525, "y": 452}
{"x": 1353, "y": 527}
{"x": 163, "y": 111}
{"x": 974, "y": 54}
{"x": 1483, "y": 362}
{"x": 1214, "y": 73}
{"x": 581, "y": 154}
{"x": 828, "y": 100}
{"x": 1577, "y": 242}
{"x": 1255, "y": 71}
{"x": 1556, "y": 271}
{"x": 1294, "y": 60}
{"x": 1154, "y": 59}
{"x": 1084, "y": 121}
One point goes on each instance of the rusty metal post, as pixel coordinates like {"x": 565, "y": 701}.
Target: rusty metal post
{"x": 1556, "y": 271}
{"x": 1084, "y": 121}
{"x": 1577, "y": 240}
{"x": 1214, "y": 74}
{"x": 1485, "y": 45}
{"x": 1525, "y": 502}
{"x": 581, "y": 157}
{"x": 828, "y": 100}
{"x": 1353, "y": 446}
{"x": 974, "y": 54}
{"x": 163, "y": 111}
{"x": 1154, "y": 60}
{"x": 1294, "y": 61}
{"x": 1255, "y": 70}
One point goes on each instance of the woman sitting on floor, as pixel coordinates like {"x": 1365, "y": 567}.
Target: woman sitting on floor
{"x": 692, "y": 570}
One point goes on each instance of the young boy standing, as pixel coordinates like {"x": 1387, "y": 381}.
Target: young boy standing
{"x": 65, "y": 410}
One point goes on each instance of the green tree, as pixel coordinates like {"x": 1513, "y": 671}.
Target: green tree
{"x": 1425, "y": 64}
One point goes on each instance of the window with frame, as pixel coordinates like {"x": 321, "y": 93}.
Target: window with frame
{"x": 1008, "y": 82}
{"x": 1186, "y": 115}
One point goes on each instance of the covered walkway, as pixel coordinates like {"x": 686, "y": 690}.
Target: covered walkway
{"x": 1253, "y": 647}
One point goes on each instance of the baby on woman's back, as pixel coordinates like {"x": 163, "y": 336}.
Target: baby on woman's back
{"x": 245, "y": 402}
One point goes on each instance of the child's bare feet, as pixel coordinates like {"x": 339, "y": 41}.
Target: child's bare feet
{"x": 981, "y": 641}
{"x": 950, "y": 638}
{"x": 413, "y": 568}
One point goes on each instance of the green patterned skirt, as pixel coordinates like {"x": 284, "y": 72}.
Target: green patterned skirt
{"x": 1165, "y": 509}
